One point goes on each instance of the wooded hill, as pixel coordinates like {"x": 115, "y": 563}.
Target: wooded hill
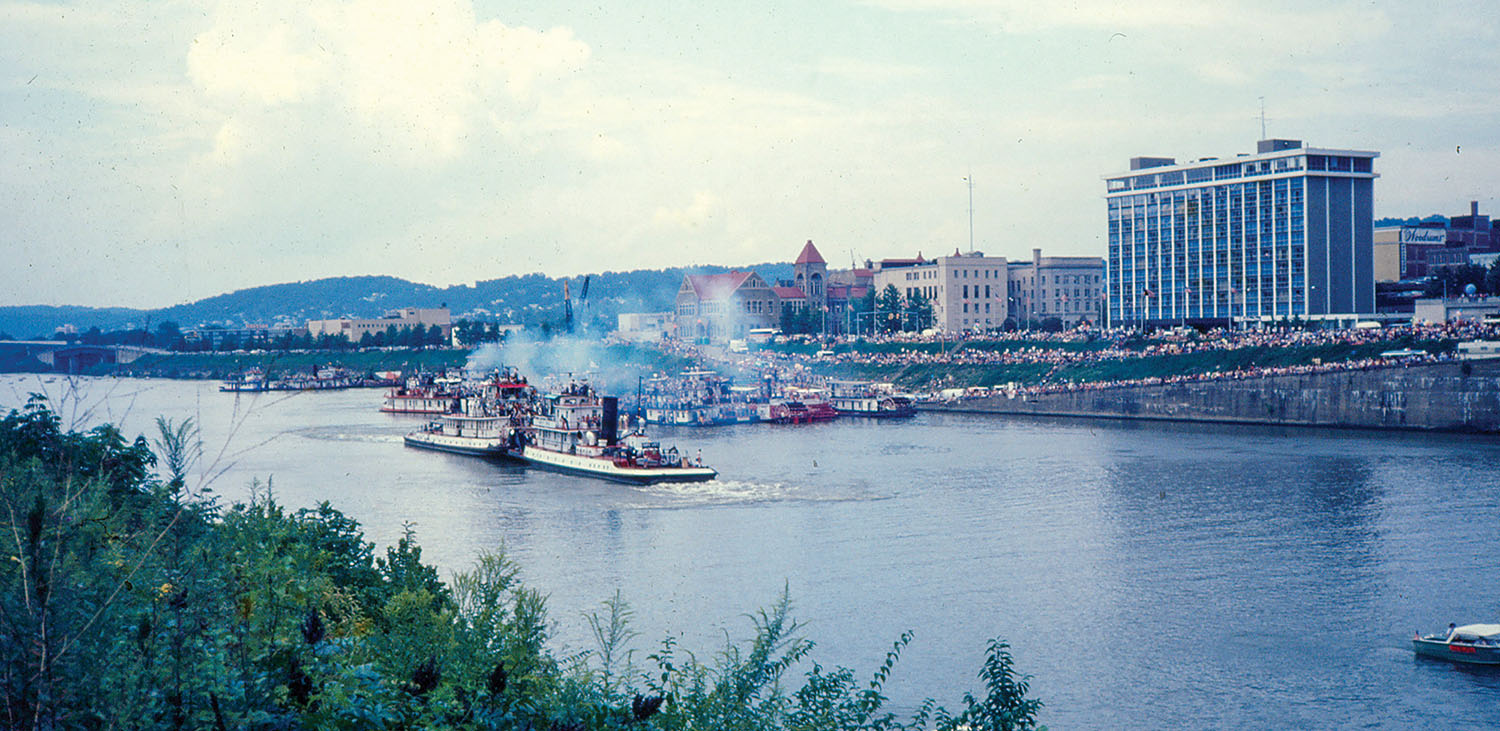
{"x": 530, "y": 299}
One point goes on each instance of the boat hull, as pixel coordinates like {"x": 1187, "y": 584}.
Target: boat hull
{"x": 415, "y": 409}
{"x": 699, "y": 417}
{"x": 470, "y": 446}
{"x": 879, "y": 413}
{"x": 1456, "y": 651}
{"x": 608, "y": 469}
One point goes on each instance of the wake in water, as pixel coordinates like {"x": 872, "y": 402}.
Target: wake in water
{"x": 352, "y": 433}
{"x": 739, "y": 492}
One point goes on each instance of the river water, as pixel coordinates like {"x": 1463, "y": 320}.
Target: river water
{"x": 1147, "y": 575}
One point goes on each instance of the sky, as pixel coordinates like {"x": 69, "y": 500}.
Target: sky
{"x": 155, "y": 153}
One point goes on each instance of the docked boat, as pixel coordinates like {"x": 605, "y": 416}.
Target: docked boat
{"x": 424, "y": 394}
{"x": 798, "y": 406}
{"x": 577, "y": 431}
{"x": 1474, "y": 644}
{"x": 318, "y": 378}
{"x": 862, "y": 398}
{"x": 251, "y": 381}
{"x": 697, "y": 398}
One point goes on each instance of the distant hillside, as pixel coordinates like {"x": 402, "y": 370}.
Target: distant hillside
{"x": 530, "y": 299}
{"x": 27, "y": 322}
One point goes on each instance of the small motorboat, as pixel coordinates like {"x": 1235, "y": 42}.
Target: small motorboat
{"x": 1475, "y": 644}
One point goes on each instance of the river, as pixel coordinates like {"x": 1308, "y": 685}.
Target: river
{"x": 1147, "y": 575}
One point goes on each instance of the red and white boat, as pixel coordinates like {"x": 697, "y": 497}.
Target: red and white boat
{"x": 798, "y": 406}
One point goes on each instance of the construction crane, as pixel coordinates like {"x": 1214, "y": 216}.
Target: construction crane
{"x": 583, "y": 300}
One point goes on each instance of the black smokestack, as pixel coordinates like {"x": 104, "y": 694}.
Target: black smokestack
{"x": 609, "y": 424}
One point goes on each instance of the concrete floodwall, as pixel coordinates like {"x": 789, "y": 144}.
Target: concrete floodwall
{"x": 1451, "y": 396}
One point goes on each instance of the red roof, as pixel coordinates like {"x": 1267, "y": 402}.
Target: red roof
{"x": 810, "y": 255}
{"x": 717, "y": 286}
{"x": 789, "y": 293}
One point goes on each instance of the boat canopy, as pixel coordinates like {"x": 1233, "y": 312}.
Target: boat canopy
{"x": 1485, "y": 631}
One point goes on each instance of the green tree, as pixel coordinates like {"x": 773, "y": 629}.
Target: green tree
{"x": 1451, "y": 280}
{"x": 168, "y": 335}
{"x": 864, "y": 310}
{"x": 888, "y": 308}
{"x": 801, "y": 320}
{"x": 921, "y": 310}
{"x": 1005, "y": 706}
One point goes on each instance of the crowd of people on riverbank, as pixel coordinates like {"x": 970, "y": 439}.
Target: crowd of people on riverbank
{"x": 1094, "y": 346}
{"x": 1046, "y": 387}
{"x": 1061, "y": 351}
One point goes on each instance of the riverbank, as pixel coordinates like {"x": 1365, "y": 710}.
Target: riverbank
{"x": 1459, "y": 396}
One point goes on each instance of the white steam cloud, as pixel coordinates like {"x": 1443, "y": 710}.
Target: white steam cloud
{"x": 557, "y": 358}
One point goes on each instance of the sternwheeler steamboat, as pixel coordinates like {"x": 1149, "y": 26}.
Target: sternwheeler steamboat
{"x": 577, "y": 431}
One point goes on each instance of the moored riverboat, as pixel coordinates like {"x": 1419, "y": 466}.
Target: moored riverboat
{"x": 862, "y": 398}
{"x": 798, "y": 405}
{"x": 697, "y": 398}
{"x": 252, "y": 380}
{"x": 318, "y": 378}
{"x": 424, "y": 394}
{"x": 1473, "y": 644}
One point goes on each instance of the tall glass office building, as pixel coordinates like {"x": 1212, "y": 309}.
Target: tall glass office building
{"x": 1284, "y": 233}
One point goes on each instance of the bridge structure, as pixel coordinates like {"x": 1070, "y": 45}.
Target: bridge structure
{"x": 72, "y": 358}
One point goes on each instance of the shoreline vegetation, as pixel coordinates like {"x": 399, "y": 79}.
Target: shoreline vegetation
{"x": 134, "y": 599}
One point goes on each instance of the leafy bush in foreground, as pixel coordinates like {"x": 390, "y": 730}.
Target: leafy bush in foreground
{"x": 131, "y": 602}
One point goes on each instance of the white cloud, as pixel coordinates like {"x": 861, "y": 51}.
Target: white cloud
{"x": 410, "y": 81}
{"x": 204, "y": 145}
{"x": 864, "y": 70}
{"x": 693, "y": 216}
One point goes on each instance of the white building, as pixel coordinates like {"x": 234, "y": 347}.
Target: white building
{"x": 646, "y": 326}
{"x": 973, "y": 291}
{"x": 409, "y": 317}
{"x": 1068, "y": 288}
{"x": 1457, "y": 309}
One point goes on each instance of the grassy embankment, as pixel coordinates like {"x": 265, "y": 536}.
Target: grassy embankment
{"x": 927, "y": 376}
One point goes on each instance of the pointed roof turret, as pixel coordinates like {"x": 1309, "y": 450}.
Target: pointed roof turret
{"x": 810, "y": 255}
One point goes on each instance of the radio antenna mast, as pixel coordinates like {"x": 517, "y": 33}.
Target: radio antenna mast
{"x": 970, "y": 180}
